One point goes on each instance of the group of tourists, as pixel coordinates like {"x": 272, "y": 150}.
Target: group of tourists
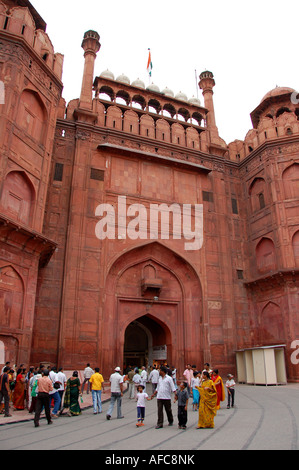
{"x": 208, "y": 391}
{"x": 206, "y": 388}
{"x": 14, "y": 388}
{"x": 47, "y": 389}
{"x": 39, "y": 389}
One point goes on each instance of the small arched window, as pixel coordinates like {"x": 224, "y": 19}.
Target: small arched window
{"x": 257, "y": 192}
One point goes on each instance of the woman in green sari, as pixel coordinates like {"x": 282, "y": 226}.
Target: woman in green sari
{"x": 71, "y": 397}
{"x": 208, "y": 402}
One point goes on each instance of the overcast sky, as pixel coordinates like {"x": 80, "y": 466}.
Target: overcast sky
{"x": 250, "y": 46}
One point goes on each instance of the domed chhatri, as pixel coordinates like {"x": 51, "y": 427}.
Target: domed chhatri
{"x": 138, "y": 83}
{"x": 277, "y": 91}
{"x": 107, "y": 74}
{"x": 181, "y": 96}
{"x": 195, "y": 101}
{"x": 123, "y": 79}
{"x": 168, "y": 92}
{"x": 153, "y": 87}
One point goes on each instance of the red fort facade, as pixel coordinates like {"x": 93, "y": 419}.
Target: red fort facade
{"x": 68, "y": 296}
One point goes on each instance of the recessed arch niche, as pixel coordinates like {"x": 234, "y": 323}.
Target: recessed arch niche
{"x": 32, "y": 115}
{"x": 265, "y": 255}
{"x": 18, "y": 196}
{"x": 290, "y": 178}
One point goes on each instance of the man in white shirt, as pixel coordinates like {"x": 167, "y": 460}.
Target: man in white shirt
{"x": 61, "y": 378}
{"x": 143, "y": 376}
{"x": 116, "y": 381}
{"x": 164, "y": 392}
{"x": 53, "y": 394}
{"x": 154, "y": 378}
{"x": 230, "y": 385}
{"x": 88, "y": 372}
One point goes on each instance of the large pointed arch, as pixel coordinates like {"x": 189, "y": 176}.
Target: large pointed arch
{"x": 173, "y": 300}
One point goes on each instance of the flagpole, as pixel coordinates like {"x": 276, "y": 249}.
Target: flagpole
{"x": 196, "y": 84}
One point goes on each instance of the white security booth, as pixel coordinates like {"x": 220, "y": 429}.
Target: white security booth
{"x": 263, "y": 365}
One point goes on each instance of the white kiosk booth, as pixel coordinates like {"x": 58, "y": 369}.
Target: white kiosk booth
{"x": 263, "y": 365}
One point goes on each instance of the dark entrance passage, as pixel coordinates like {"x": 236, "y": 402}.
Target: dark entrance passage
{"x": 136, "y": 345}
{"x": 145, "y": 343}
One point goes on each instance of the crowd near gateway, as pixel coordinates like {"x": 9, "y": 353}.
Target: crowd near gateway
{"x": 47, "y": 388}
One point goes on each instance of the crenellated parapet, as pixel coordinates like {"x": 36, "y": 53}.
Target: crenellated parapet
{"x": 145, "y": 112}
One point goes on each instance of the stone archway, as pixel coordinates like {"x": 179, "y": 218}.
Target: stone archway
{"x": 145, "y": 343}
{"x": 157, "y": 285}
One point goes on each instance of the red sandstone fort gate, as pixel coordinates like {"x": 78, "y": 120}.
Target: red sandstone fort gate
{"x": 66, "y": 297}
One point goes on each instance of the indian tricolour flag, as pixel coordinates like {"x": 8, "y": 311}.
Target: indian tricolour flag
{"x": 149, "y": 63}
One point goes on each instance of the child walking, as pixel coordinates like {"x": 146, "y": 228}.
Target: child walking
{"x": 182, "y": 397}
{"x": 195, "y": 382}
{"x": 141, "y": 397}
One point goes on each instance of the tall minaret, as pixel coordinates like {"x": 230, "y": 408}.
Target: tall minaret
{"x": 206, "y": 84}
{"x": 91, "y": 46}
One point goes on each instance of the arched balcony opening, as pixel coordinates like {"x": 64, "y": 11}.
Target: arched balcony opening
{"x": 169, "y": 111}
{"x": 138, "y": 102}
{"x": 122, "y": 97}
{"x": 106, "y": 93}
{"x": 154, "y": 106}
{"x": 197, "y": 119}
{"x": 183, "y": 114}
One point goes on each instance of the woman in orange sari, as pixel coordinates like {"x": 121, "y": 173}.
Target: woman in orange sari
{"x": 219, "y": 387}
{"x": 19, "y": 391}
{"x": 207, "y": 403}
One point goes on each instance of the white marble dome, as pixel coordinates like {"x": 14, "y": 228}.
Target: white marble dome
{"x": 153, "y": 87}
{"x": 138, "y": 83}
{"x": 194, "y": 101}
{"x": 181, "y": 96}
{"x": 107, "y": 74}
{"x": 168, "y": 92}
{"x": 123, "y": 79}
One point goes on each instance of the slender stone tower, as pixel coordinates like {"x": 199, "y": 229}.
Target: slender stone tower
{"x": 206, "y": 84}
{"x": 91, "y": 46}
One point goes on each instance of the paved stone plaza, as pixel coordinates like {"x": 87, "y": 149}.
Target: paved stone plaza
{"x": 264, "y": 418}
